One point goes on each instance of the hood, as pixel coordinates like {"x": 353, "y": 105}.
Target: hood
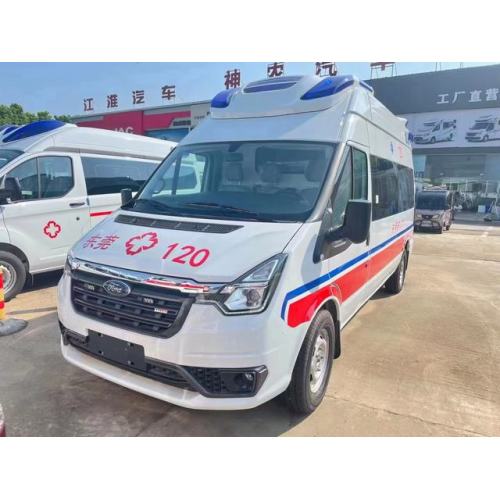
{"x": 229, "y": 250}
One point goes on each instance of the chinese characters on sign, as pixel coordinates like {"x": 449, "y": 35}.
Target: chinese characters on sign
{"x": 326, "y": 69}
{"x": 112, "y": 101}
{"x": 275, "y": 69}
{"x": 232, "y": 79}
{"x": 88, "y": 104}
{"x": 470, "y": 96}
{"x": 138, "y": 97}
{"x": 168, "y": 92}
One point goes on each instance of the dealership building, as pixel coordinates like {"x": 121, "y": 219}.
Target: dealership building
{"x": 453, "y": 117}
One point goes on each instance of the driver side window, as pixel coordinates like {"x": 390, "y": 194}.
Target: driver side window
{"x": 22, "y": 182}
{"x": 351, "y": 184}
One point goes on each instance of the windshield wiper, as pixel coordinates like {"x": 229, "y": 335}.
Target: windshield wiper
{"x": 153, "y": 204}
{"x": 229, "y": 208}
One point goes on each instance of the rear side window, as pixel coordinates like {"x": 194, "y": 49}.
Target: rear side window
{"x": 392, "y": 188}
{"x": 406, "y": 191}
{"x": 110, "y": 175}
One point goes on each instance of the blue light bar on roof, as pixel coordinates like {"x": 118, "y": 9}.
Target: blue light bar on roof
{"x": 328, "y": 86}
{"x": 7, "y": 129}
{"x": 222, "y": 99}
{"x": 32, "y": 129}
{"x": 278, "y": 83}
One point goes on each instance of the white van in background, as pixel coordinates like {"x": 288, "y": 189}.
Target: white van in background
{"x": 225, "y": 295}
{"x": 485, "y": 128}
{"x": 436, "y": 131}
{"x": 57, "y": 181}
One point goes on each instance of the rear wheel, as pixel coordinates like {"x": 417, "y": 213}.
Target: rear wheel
{"x": 313, "y": 366}
{"x": 14, "y": 274}
{"x": 397, "y": 279}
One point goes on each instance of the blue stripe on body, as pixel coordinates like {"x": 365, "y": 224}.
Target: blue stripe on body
{"x": 334, "y": 272}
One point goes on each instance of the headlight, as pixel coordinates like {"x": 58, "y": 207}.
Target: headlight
{"x": 418, "y": 216}
{"x": 250, "y": 293}
{"x": 437, "y": 216}
{"x": 69, "y": 264}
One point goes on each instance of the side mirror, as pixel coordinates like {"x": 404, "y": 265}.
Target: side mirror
{"x": 358, "y": 217}
{"x": 5, "y": 196}
{"x": 126, "y": 195}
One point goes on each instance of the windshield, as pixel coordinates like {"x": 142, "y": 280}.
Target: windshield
{"x": 480, "y": 126}
{"x": 267, "y": 181}
{"x": 431, "y": 202}
{"x": 429, "y": 125}
{"x": 7, "y": 155}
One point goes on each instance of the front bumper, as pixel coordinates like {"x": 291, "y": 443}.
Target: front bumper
{"x": 207, "y": 345}
{"x": 428, "y": 224}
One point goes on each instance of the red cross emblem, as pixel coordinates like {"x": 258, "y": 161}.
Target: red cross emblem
{"x": 52, "y": 229}
{"x": 137, "y": 244}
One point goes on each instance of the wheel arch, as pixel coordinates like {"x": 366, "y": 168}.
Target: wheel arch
{"x": 332, "y": 307}
{"x": 7, "y": 247}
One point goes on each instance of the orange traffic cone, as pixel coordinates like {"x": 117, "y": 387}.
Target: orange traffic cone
{"x": 10, "y": 325}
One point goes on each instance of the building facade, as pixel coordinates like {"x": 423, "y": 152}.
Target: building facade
{"x": 170, "y": 122}
{"x": 454, "y": 120}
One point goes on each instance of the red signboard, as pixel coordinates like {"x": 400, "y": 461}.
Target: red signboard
{"x": 129, "y": 121}
{"x": 135, "y": 122}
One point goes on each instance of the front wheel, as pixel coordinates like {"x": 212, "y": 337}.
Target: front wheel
{"x": 397, "y": 279}
{"x": 14, "y": 274}
{"x": 313, "y": 366}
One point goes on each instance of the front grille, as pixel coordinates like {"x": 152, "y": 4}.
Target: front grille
{"x": 145, "y": 310}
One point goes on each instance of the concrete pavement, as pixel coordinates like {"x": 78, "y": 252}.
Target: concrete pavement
{"x": 423, "y": 363}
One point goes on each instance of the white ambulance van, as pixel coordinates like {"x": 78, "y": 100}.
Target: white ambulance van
{"x": 57, "y": 181}
{"x": 227, "y": 296}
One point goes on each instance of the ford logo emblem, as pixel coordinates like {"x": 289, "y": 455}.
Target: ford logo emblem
{"x": 116, "y": 288}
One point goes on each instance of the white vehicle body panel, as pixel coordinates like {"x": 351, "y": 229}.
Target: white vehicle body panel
{"x": 272, "y": 338}
{"x": 43, "y": 230}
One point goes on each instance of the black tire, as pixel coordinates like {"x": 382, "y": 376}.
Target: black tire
{"x": 397, "y": 279}
{"x": 17, "y": 271}
{"x": 440, "y": 230}
{"x": 433, "y": 140}
{"x": 300, "y": 396}
{"x": 486, "y": 138}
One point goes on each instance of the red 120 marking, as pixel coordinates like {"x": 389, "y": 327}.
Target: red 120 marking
{"x": 196, "y": 257}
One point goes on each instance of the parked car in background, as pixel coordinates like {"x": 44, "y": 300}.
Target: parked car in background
{"x": 57, "y": 181}
{"x": 434, "y": 209}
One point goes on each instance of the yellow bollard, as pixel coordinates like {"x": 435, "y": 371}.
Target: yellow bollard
{"x": 8, "y": 326}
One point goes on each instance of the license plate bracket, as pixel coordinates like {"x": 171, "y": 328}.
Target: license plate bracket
{"x": 116, "y": 350}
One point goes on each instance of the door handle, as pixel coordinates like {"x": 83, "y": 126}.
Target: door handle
{"x": 77, "y": 204}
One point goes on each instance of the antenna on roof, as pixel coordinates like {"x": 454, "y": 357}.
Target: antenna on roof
{"x": 382, "y": 66}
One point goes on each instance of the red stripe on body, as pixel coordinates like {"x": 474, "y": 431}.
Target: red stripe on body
{"x": 99, "y": 214}
{"x": 303, "y": 310}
